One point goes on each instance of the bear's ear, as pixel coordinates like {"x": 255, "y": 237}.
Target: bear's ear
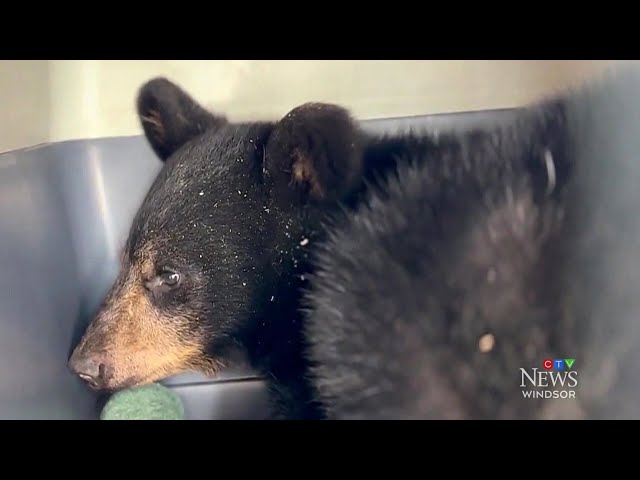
{"x": 170, "y": 117}
{"x": 314, "y": 153}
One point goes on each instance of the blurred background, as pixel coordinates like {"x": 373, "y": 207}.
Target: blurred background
{"x": 55, "y": 100}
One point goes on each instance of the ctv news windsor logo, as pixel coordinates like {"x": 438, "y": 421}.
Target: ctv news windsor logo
{"x": 556, "y": 379}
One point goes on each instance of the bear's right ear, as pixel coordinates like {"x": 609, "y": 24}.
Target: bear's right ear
{"x": 170, "y": 117}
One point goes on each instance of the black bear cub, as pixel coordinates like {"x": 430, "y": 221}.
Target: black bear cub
{"x": 400, "y": 276}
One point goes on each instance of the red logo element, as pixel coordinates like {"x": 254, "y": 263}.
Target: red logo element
{"x": 547, "y": 364}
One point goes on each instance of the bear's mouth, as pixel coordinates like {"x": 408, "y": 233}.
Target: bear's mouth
{"x": 137, "y": 380}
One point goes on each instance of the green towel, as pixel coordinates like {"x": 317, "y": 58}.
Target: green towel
{"x": 146, "y": 402}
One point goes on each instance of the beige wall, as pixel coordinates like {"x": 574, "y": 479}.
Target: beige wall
{"x": 24, "y": 103}
{"x": 59, "y": 99}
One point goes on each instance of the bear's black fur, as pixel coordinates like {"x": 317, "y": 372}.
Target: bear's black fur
{"x": 454, "y": 247}
{"x": 366, "y": 276}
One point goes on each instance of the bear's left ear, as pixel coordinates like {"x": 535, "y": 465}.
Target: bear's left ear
{"x": 170, "y": 117}
{"x": 314, "y": 154}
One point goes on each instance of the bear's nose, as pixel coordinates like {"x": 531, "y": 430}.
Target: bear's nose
{"x": 91, "y": 368}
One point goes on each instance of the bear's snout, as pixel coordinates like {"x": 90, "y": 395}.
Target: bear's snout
{"x": 92, "y": 368}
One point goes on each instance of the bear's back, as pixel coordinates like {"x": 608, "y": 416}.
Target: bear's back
{"x": 429, "y": 296}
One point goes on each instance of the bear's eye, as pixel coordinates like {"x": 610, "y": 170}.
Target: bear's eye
{"x": 169, "y": 279}
{"x": 165, "y": 280}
